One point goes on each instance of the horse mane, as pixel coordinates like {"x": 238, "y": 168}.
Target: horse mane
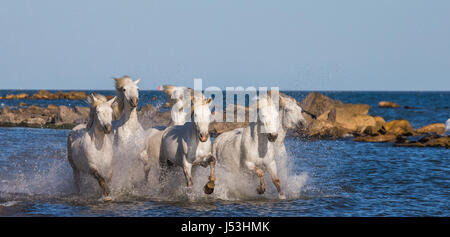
{"x": 100, "y": 100}
{"x": 118, "y": 105}
{"x": 121, "y": 81}
{"x": 198, "y": 101}
{"x": 171, "y": 90}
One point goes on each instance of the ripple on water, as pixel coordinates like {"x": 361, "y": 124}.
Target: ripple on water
{"x": 322, "y": 178}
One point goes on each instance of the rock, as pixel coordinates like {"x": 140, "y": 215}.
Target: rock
{"x": 66, "y": 115}
{"x": 22, "y": 104}
{"x": 216, "y": 128}
{"x": 9, "y": 118}
{"x": 388, "y": 104}
{"x": 34, "y": 122}
{"x": 317, "y": 103}
{"x": 428, "y": 141}
{"x": 149, "y": 116}
{"x": 83, "y": 114}
{"x": 399, "y": 127}
{"x": 71, "y": 95}
{"x": 378, "y": 138}
{"x": 436, "y": 128}
{"x": 17, "y": 97}
{"x": 44, "y": 95}
{"x": 52, "y": 107}
{"x": 74, "y": 95}
{"x": 336, "y": 119}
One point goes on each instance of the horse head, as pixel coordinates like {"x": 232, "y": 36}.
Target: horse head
{"x": 292, "y": 112}
{"x": 201, "y": 116}
{"x": 128, "y": 90}
{"x": 268, "y": 117}
{"x": 103, "y": 112}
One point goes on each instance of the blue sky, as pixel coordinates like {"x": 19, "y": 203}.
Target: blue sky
{"x": 296, "y": 45}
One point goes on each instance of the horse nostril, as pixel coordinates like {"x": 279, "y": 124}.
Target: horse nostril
{"x": 203, "y": 137}
{"x": 272, "y": 137}
{"x": 134, "y": 102}
{"x": 108, "y": 128}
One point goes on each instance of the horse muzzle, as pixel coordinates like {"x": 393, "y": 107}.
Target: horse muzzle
{"x": 272, "y": 137}
{"x": 107, "y": 129}
{"x": 134, "y": 102}
{"x": 203, "y": 137}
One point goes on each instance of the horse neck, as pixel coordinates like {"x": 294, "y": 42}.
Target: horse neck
{"x": 129, "y": 114}
{"x": 192, "y": 133}
{"x": 97, "y": 135}
{"x": 282, "y": 130}
{"x": 255, "y": 130}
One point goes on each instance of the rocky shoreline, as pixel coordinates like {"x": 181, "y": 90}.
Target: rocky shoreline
{"x": 334, "y": 120}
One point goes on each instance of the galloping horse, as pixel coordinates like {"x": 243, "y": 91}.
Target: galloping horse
{"x": 177, "y": 94}
{"x": 89, "y": 147}
{"x": 189, "y": 145}
{"x": 252, "y": 148}
{"x": 129, "y": 136}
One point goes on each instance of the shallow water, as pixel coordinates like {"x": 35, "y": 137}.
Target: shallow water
{"x": 328, "y": 178}
{"x": 323, "y": 178}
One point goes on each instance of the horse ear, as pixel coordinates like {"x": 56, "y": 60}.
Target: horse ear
{"x": 92, "y": 99}
{"x": 209, "y": 101}
{"x": 111, "y": 101}
{"x": 283, "y": 101}
{"x": 168, "y": 89}
{"x": 137, "y": 81}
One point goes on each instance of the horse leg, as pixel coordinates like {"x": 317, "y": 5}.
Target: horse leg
{"x": 209, "y": 187}
{"x": 76, "y": 177}
{"x": 102, "y": 183}
{"x": 276, "y": 181}
{"x": 262, "y": 187}
{"x": 187, "y": 168}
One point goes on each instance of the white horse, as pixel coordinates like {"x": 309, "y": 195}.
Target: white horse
{"x": 290, "y": 118}
{"x": 189, "y": 145}
{"x": 180, "y": 96}
{"x": 129, "y": 136}
{"x": 447, "y": 126}
{"x": 252, "y": 148}
{"x": 89, "y": 147}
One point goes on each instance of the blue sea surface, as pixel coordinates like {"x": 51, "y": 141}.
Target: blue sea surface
{"x": 325, "y": 178}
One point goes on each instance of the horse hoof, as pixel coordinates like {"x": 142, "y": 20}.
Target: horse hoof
{"x": 209, "y": 188}
{"x": 281, "y": 196}
{"x": 106, "y": 199}
{"x": 260, "y": 190}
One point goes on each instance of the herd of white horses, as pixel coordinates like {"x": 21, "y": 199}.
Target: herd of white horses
{"x": 113, "y": 127}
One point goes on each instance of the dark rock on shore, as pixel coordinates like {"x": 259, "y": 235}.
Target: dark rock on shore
{"x": 388, "y": 104}
{"x": 435, "y": 128}
{"x": 333, "y": 120}
{"x": 336, "y": 119}
{"x": 16, "y": 97}
{"x": 46, "y": 95}
{"x": 71, "y": 95}
{"x": 428, "y": 141}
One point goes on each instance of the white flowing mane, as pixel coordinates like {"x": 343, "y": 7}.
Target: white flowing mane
{"x": 92, "y": 105}
{"x": 119, "y": 103}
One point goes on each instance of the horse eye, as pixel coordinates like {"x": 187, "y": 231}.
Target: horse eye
{"x": 124, "y": 89}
